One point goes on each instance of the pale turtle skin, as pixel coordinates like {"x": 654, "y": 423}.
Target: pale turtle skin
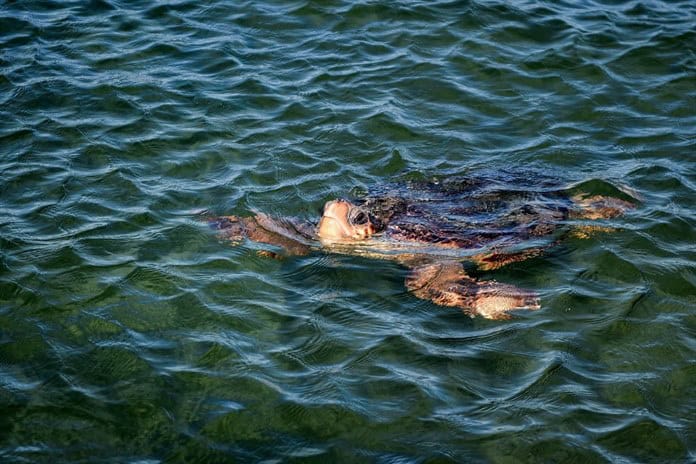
{"x": 437, "y": 228}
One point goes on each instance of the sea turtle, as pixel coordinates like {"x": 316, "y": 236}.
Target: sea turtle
{"x": 436, "y": 228}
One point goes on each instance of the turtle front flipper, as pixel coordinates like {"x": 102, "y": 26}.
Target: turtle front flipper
{"x": 232, "y": 228}
{"x": 445, "y": 283}
{"x": 261, "y": 229}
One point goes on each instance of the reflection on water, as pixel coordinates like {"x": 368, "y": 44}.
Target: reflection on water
{"x": 128, "y": 332}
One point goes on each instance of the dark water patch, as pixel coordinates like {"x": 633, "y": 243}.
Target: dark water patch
{"x": 619, "y": 442}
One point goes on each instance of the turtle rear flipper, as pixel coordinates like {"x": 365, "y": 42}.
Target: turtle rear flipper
{"x": 495, "y": 260}
{"x": 446, "y": 284}
{"x": 599, "y": 207}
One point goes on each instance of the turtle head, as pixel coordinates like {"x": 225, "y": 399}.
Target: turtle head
{"x": 342, "y": 220}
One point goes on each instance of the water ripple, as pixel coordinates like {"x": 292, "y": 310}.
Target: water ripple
{"x": 130, "y": 333}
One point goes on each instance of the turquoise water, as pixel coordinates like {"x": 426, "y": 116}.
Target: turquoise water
{"x": 128, "y": 333}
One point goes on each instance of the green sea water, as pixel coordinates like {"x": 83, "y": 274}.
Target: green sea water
{"x": 129, "y": 333}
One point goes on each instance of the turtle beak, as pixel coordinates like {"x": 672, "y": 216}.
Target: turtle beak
{"x": 336, "y": 224}
{"x": 334, "y": 221}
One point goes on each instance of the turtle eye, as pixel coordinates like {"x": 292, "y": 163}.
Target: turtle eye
{"x": 359, "y": 218}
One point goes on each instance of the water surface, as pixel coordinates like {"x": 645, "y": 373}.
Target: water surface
{"x": 128, "y": 333}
